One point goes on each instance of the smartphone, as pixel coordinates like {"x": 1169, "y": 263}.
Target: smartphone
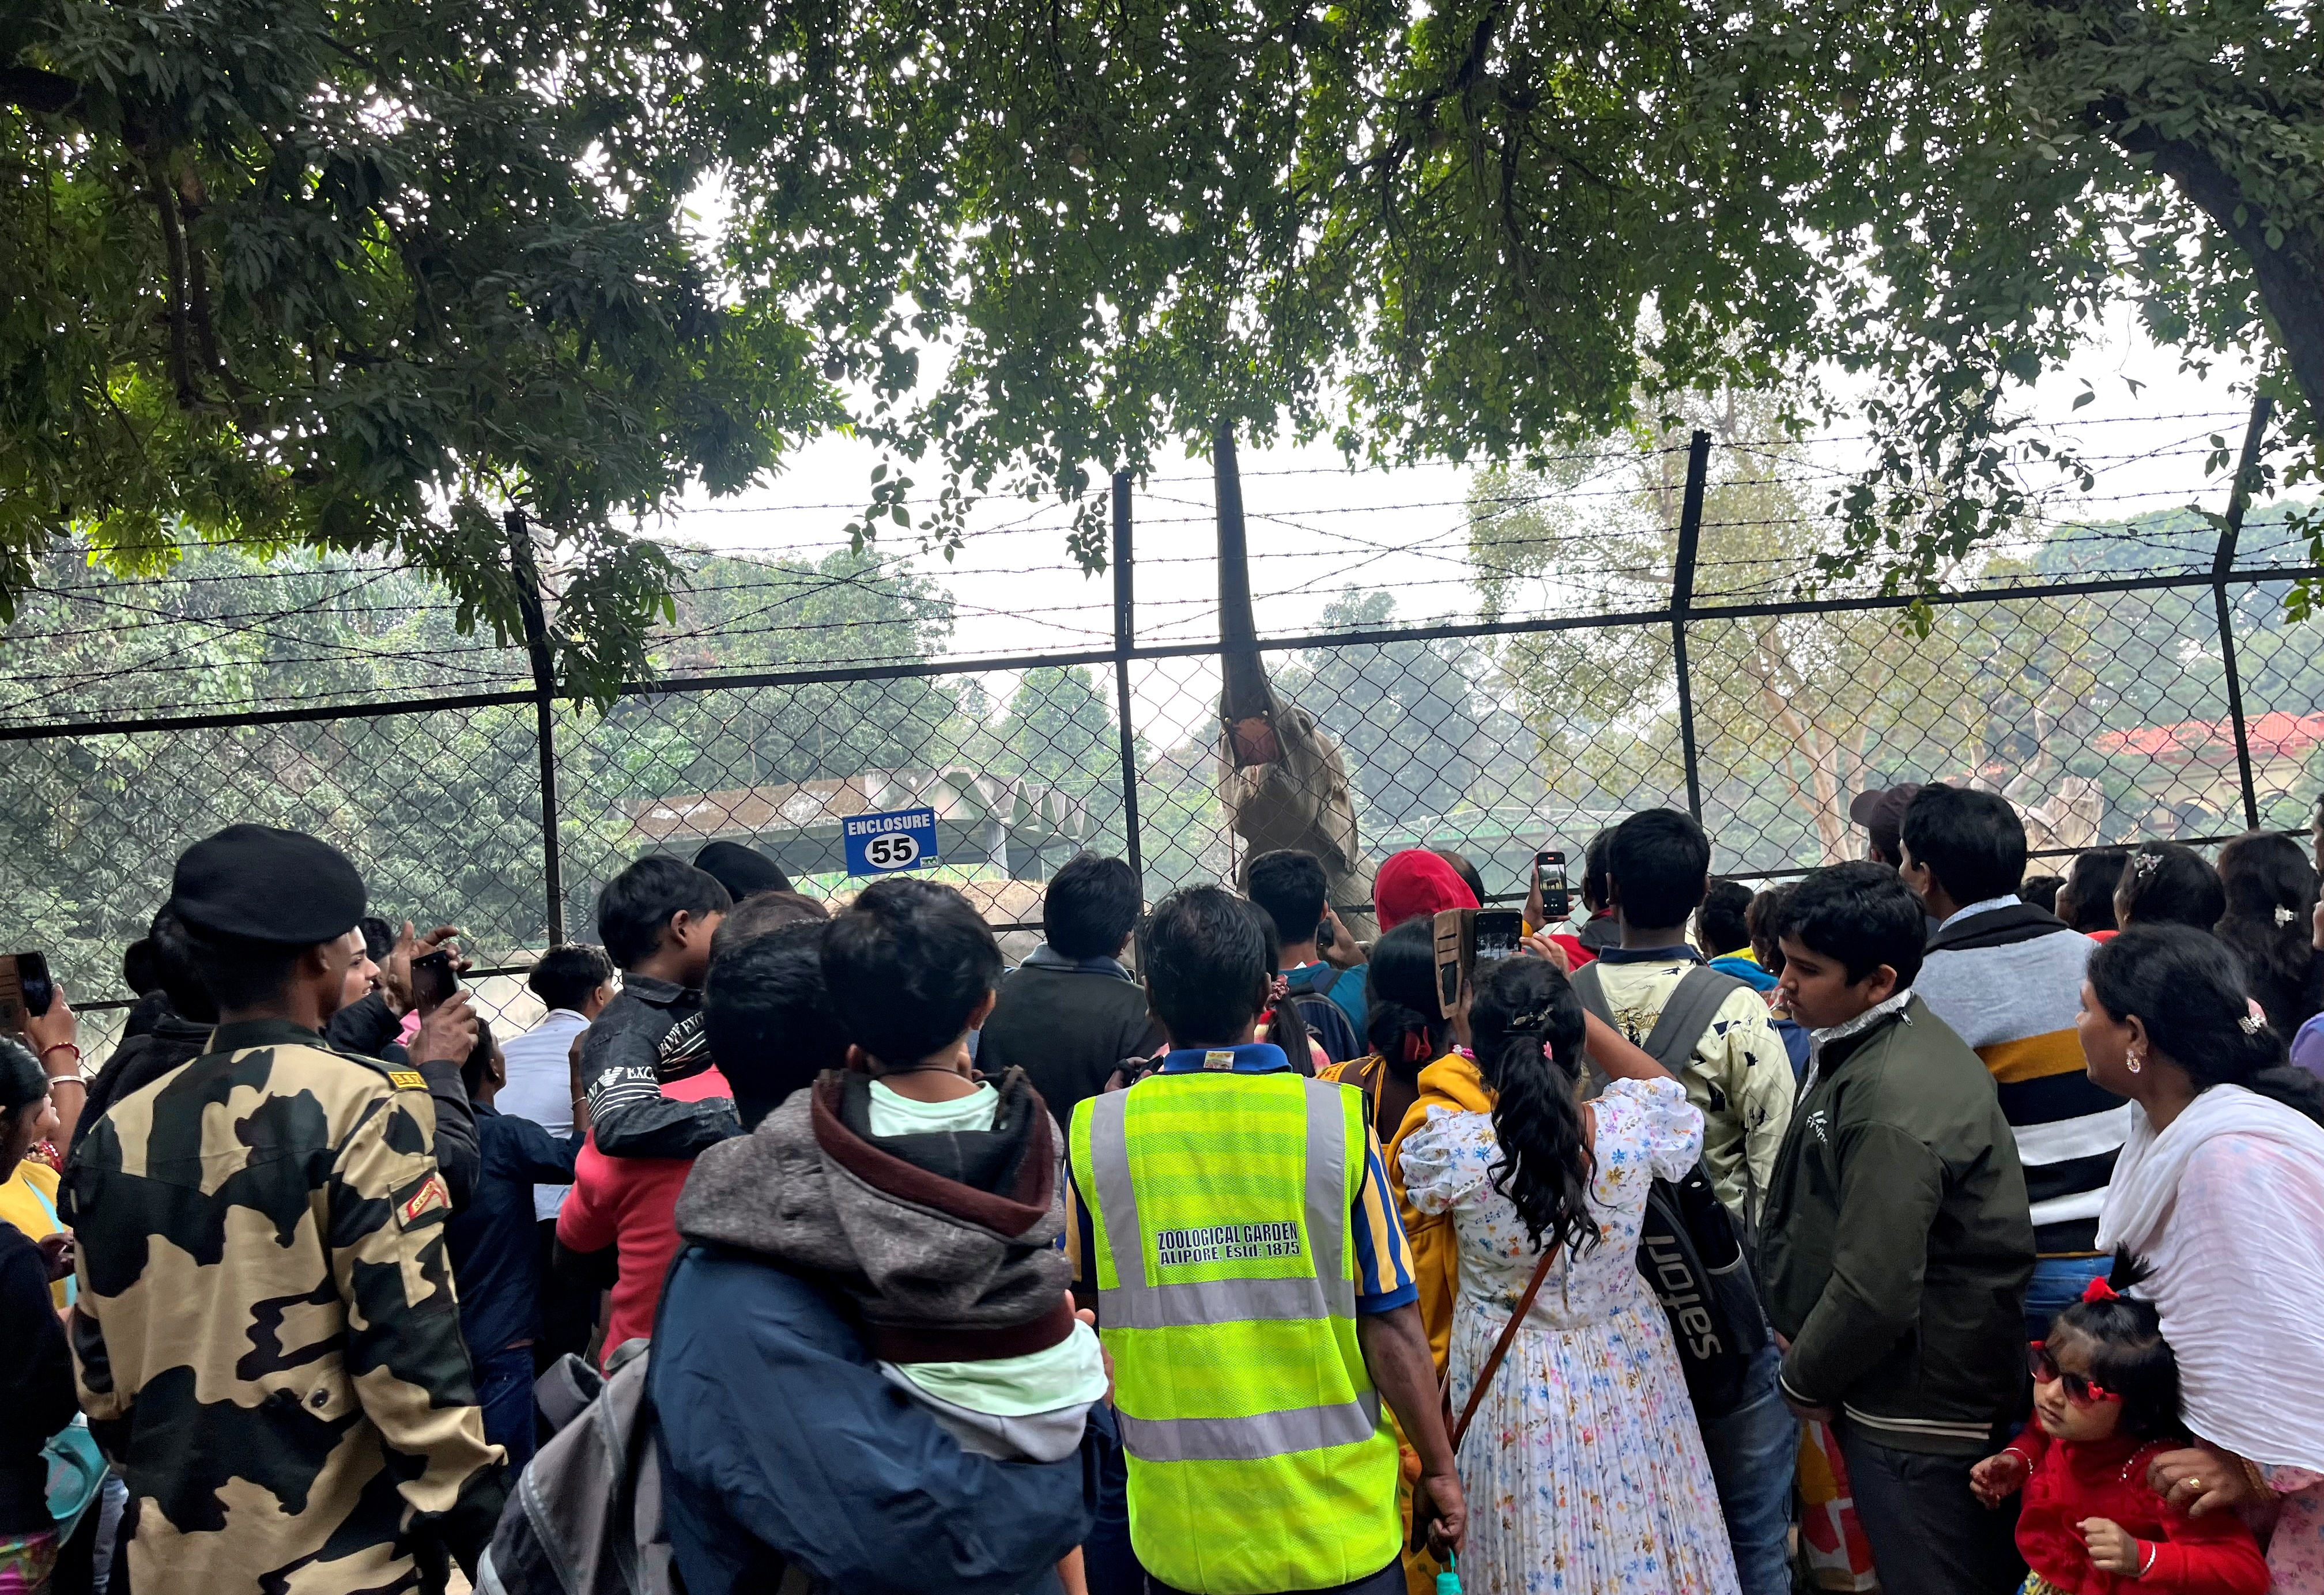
{"x": 433, "y": 980}
{"x": 1549, "y": 874}
{"x": 1325, "y": 936}
{"x": 25, "y": 988}
{"x": 1499, "y": 933}
{"x": 1456, "y": 956}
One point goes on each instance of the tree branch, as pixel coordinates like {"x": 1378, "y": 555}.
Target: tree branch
{"x": 2292, "y": 288}
{"x": 173, "y": 242}
{"x": 30, "y": 88}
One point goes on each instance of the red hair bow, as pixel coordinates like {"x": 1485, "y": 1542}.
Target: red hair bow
{"x": 2098, "y": 1290}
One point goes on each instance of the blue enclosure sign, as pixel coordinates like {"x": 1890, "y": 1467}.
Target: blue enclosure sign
{"x": 901, "y": 839}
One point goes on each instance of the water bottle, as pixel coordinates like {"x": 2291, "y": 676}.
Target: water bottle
{"x": 1448, "y": 1582}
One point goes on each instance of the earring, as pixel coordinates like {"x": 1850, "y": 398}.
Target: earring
{"x": 2137, "y": 1060}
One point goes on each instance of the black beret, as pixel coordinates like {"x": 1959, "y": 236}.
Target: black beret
{"x": 268, "y": 886}
{"x": 743, "y": 872}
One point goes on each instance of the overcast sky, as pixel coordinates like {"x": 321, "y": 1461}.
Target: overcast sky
{"x": 1316, "y": 529}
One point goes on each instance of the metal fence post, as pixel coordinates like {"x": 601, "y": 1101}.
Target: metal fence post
{"x": 2223, "y": 564}
{"x": 1690, "y": 540}
{"x": 544, "y": 713}
{"x": 1125, "y": 632}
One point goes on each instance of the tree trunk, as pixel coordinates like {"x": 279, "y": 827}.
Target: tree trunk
{"x": 2291, "y": 279}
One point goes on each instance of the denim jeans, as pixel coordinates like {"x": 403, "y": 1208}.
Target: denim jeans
{"x": 1754, "y": 1450}
{"x": 504, "y": 1390}
{"x": 2058, "y": 1282}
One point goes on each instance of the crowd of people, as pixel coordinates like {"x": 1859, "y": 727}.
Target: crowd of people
{"x": 1213, "y": 1249}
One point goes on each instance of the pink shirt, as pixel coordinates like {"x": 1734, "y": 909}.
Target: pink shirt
{"x": 631, "y": 1203}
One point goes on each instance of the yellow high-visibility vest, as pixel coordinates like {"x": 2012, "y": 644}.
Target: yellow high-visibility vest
{"x": 1259, "y": 1458}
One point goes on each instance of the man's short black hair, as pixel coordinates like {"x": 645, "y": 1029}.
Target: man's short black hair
{"x": 1723, "y": 920}
{"x": 1972, "y": 842}
{"x": 1861, "y": 914}
{"x": 637, "y": 904}
{"x": 1289, "y": 886}
{"x": 907, "y": 966}
{"x": 478, "y": 1063}
{"x": 567, "y": 976}
{"x": 769, "y": 1017}
{"x": 1659, "y": 863}
{"x": 755, "y": 916}
{"x": 1205, "y": 954}
{"x": 1090, "y": 906}
{"x": 1595, "y": 895}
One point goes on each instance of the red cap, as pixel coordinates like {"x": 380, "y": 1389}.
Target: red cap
{"x": 1414, "y": 883}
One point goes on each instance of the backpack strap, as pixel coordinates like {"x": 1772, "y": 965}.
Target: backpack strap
{"x": 1689, "y": 1012}
{"x": 1588, "y": 986}
{"x": 1694, "y": 1004}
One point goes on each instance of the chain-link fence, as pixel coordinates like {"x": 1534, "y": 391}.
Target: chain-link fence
{"x": 1510, "y": 669}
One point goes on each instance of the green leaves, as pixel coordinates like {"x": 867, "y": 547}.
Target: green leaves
{"x": 354, "y": 276}
{"x": 313, "y": 270}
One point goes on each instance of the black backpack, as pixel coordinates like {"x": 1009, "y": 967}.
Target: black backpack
{"x": 1691, "y": 1249}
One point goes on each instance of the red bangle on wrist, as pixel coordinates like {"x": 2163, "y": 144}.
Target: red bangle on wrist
{"x": 60, "y": 1047}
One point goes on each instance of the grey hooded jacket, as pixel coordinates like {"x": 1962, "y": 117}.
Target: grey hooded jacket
{"x": 947, "y": 1241}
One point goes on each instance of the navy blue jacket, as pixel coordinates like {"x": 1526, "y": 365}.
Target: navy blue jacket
{"x": 780, "y": 1441}
{"x": 495, "y": 1248}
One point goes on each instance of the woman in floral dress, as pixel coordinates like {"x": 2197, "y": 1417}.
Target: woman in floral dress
{"x": 1584, "y": 1469}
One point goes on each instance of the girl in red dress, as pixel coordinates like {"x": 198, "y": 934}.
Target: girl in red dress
{"x": 2106, "y": 1403}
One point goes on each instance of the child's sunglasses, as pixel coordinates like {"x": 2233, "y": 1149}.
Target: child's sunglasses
{"x": 2080, "y": 1389}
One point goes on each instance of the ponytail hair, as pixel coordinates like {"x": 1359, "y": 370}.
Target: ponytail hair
{"x": 1527, "y": 1025}
{"x": 2187, "y": 990}
{"x": 1401, "y": 1023}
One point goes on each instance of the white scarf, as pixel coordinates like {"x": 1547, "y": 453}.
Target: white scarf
{"x": 2238, "y": 1266}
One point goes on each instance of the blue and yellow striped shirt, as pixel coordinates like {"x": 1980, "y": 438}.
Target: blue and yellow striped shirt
{"x": 1384, "y": 1268}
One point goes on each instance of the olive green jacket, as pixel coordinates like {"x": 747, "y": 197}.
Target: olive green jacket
{"x": 1898, "y": 1244}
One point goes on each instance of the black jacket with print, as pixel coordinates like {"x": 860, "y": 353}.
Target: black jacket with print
{"x": 651, "y": 1032}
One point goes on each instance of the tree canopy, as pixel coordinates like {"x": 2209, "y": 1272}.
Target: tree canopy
{"x": 358, "y": 276}
{"x": 1477, "y": 229}
{"x": 352, "y": 273}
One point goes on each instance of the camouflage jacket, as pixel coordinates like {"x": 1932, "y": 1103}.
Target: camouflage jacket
{"x": 267, "y": 1333}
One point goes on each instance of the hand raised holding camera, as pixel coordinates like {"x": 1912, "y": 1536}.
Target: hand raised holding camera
{"x": 395, "y": 974}
{"x": 447, "y": 1031}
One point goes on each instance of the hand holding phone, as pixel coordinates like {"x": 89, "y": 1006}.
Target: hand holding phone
{"x": 433, "y": 980}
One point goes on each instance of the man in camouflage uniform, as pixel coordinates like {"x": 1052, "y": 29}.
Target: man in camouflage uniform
{"x": 266, "y": 1335}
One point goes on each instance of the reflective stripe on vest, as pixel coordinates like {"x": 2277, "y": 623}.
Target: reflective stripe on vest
{"x": 1249, "y": 1440}
{"x": 1133, "y": 1304}
{"x": 1257, "y": 1458}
